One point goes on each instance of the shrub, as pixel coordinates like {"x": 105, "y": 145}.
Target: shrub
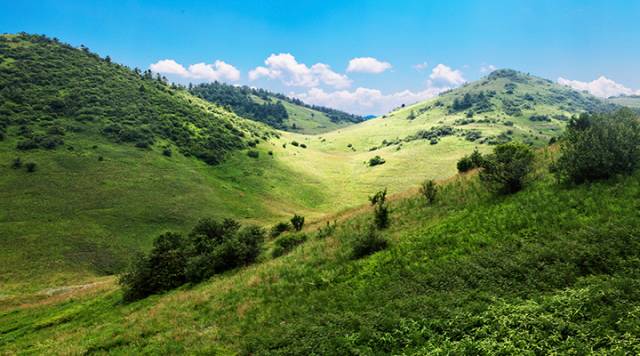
{"x": 326, "y": 230}
{"x": 303, "y": 145}
{"x": 295, "y": 143}
{"x": 253, "y": 154}
{"x": 505, "y": 170}
{"x": 284, "y": 244}
{"x": 381, "y": 210}
{"x": 465, "y": 164}
{"x": 17, "y": 163}
{"x": 599, "y": 146}
{"x": 377, "y": 160}
{"x": 366, "y": 243}
{"x": 211, "y": 247}
{"x": 166, "y": 152}
{"x": 279, "y": 228}
{"x": 297, "y": 221}
{"x": 429, "y": 190}
{"x": 31, "y": 167}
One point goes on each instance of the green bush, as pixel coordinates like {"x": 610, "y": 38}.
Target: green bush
{"x": 297, "y": 221}
{"x": 366, "y": 243}
{"x": 253, "y": 154}
{"x": 31, "y": 167}
{"x": 464, "y": 164}
{"x": 599, "y": 146}
{"x": 505, "y": 170}
{"x": 285, "y": 243}
{"x": 279, "y": 228}
{"x": 429, "y": 190}
{"x": 166, "y": 152}
{"x": 377, "y": 160}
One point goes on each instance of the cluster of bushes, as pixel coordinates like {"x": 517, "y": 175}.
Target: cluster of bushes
{"x": 478, "y": 103}
{"x": 433, "y": 134}
{"x": 211, "y": 247}
{"x": 29, "y": 166}
{"x": 599, "y": 146}
{"x": 470, "y": 162}
{"x": 594, "y": 146}
{"x": 285, "y": 243}
{"x": 540, "y": 118}
{"x": 40, "y": 141}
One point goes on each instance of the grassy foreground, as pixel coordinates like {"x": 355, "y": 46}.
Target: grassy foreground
{"x": 549, "y": 268}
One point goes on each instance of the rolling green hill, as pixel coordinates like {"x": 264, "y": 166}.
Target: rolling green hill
{"x": 276, "y": 110}
{"x": 119, "y": 156}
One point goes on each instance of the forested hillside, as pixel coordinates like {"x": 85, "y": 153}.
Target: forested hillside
{"x": 276, "y": 110}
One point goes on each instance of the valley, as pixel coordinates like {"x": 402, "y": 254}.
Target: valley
{"x": 141, "y": 216}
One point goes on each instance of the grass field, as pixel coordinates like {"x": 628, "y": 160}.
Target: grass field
{"x": 551, "y": 267}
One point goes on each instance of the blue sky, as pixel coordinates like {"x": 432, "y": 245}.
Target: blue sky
{"x": 313, "y": 42}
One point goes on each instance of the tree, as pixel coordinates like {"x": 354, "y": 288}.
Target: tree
{"x": 297, "y": 221}
{"x": 429, "y": 190}
{"x": 381, "y": 210}
{"x": 505, "y": 170}
{"x": 599, "y": 146}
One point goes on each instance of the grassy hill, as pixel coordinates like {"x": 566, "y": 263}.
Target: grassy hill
{"x": 549, "y": 268}
{"x": 119, "y": 157}
{"x": 276, "y": 110}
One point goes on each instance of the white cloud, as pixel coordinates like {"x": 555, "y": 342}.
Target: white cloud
{"x": 442, "y": 76}
{"x": 487, "y": 69}
{"x": 602, "y": 87}
{"x": 285, "y": 67}
{"x": 218, "y": 70}
{"x": 367, "y": 65}
{"x": 420, "y": 66}
{"x": 365, "y": 101}
{"x": 372, "y": 101}
{"x": 169, "y": 66}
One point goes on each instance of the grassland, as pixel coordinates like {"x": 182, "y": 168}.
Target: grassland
{"x": 549, "y": 268}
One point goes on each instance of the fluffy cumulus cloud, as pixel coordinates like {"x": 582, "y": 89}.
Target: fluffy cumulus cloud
{"x": 444, "y": 76}
{"x": 602, "y": 87}
{"x": 367, "y": 65}
{"x": 218, "y": 70}
{"x": 365, "y": 101}
{"x": 286, "y": 68}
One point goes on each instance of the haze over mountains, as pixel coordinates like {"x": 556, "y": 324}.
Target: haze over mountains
{"x": 98, "y": 160}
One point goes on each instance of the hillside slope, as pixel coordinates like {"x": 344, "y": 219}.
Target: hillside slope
{"x": 276, "y": 110}
{"x": 119, "y": 157}
{"x": 550, "y": 268}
